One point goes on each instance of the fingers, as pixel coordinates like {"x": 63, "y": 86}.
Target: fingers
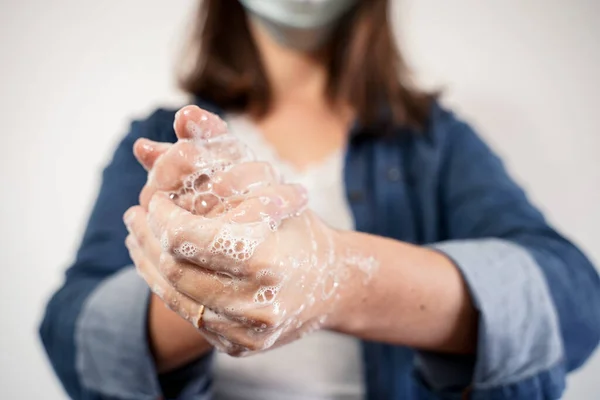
{"x": 136, "y": 221}
{"x": 212, "y": 288}
{"x": 192, "y": 168}
{"x": 224, "y": 237}
{"x": 234, "y": 336}
{"x": 212, "y": 195}
{"x": 217, "y": 290}
{"x": 225, "y": 328}
{"x": 148, "y": 151}
{"x": 187, "y": 308}
{"x": 272, "y": 204}
{"x": 176, "y": 301}
{"x": 211, "y": 243}
{"x": 244, "y": 178}
{"x": 204, "y": 149}
{"x": 177, "y": 226}
{"x": 256, "y": 331}
{"x": 192, "y": 122}
{"x": 171, "y": 169}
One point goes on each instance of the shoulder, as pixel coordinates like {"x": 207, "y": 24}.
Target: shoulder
{"x": 447, "y": 133}
{"x": 445, "y": 144}
{"x": 444, "y": 126}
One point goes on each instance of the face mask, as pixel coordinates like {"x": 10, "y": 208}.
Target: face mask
{"x": 300, "y": 24}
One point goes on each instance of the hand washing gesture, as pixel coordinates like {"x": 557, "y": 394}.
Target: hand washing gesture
{"x": 228, "y": 246}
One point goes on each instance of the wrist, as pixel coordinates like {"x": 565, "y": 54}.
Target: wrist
{"x": 416, "y": 297}
{"x": 345, "y": 315}
{"x": 173, "y": 341}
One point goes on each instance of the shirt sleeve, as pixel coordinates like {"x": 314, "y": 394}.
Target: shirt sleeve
{"x": 537, "y": 295}
{"x": 100, "y": 310}
{"x": 113, "y": 356}
{"x": 518, "y": 333}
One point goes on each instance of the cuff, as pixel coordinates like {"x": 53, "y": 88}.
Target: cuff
{"x": 112, "y": 352}
{"x": 518, "y": 333}
{"x": 548, "y": 384}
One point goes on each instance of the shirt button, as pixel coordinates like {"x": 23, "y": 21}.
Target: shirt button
{"x": 393, "y": 174}
{"x": 356, "y": 196}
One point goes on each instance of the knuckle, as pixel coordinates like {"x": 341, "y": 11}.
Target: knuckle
{"x": 242, "y": 265}
{"x": 236, "y": 352}
{"x": 266, "y": 277}
{"x": 183, "y": 199}
{"x": 174, "y": 237}
{"x": 172, "y": 302}
{"x": 171, "y": 271}
{"x": 140, "y": 268}
{"x": 254, "y": 345}
{"x": 248, "y": 342}
{"x": 186, "y": 251}
{"x": 246, "y": 267}
{"x": 181, "y": 158}
{"x": 153, "y": 202}
{"x": 264, "y": 323}
{"x": 146, "y": 194}
{"x": 130, "y": 242}
{"x": 141, "y": 237}
{"x": 263, "y": 340}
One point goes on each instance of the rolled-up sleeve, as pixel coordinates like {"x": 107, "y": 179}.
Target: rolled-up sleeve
{"x": 113, "y": 356}
{"x": 112, "y": 350}
{"x": 519, "y": 335}
{"x": 537, "y": 295}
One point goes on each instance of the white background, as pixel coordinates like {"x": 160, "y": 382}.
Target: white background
{"x": 74, "y": 72}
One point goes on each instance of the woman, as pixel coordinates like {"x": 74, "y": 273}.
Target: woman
{"x": 455, "y": 287}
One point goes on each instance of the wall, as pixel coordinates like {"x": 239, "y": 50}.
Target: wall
{"x": 74, "y": 72}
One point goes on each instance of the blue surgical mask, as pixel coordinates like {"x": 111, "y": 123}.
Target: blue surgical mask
{"x": 300, "y": 24}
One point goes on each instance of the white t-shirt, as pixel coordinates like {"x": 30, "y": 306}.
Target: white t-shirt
{"x": 323, "y": 365}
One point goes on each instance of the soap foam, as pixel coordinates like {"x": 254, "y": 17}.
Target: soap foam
{"x": 318, "y": 268}
{"x": 187, "y": 250}
{"x": 266, "y": 294}
{"x": 237, "y": 247}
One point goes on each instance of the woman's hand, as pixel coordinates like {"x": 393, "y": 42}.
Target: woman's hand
{"x": 262, "y": 282}
{"x": 234, "y": 240}
{"x": 206, "y": 162}
{"x": 170, "y": 167}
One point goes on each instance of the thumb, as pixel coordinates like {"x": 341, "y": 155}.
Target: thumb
{"x": 192, "y": 122}
{"x": 148, "y": 151}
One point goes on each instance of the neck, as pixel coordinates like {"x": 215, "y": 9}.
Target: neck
{"x": 292, "y": 74}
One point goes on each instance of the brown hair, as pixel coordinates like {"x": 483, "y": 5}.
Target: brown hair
{"x": 365, "y": 67}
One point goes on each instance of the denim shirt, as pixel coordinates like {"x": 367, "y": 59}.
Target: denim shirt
{"x": 537, "y": 295}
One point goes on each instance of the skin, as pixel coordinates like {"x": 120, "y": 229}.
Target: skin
{"x": 416, "y": 298}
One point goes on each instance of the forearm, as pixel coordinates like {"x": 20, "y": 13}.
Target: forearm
{"x": 416, "y": 298}
{"x": 174, "y": 341}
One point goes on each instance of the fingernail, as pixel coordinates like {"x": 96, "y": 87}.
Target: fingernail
{"x": 193, "y": 129}
{"x": 148, "y": 147}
